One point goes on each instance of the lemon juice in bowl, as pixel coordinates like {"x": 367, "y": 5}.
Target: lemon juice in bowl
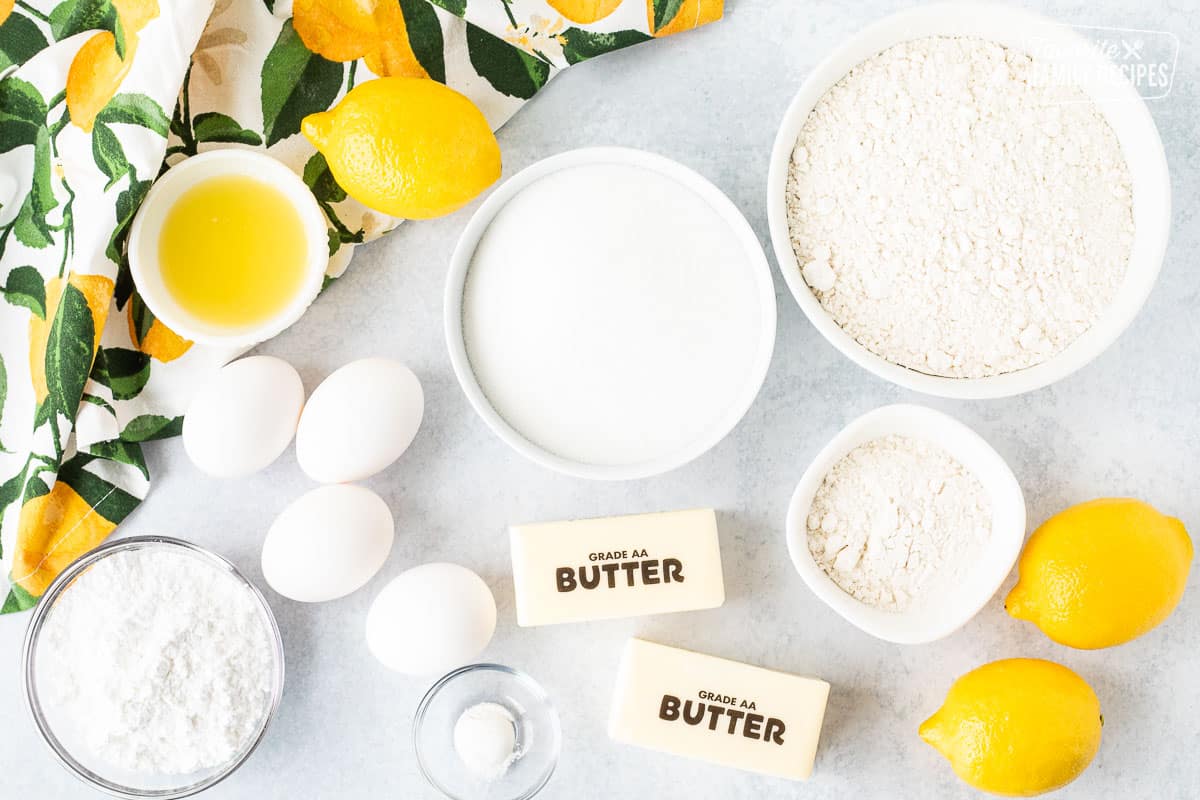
{"x": 229, "y": 247}
{"x": 232, "y": 250}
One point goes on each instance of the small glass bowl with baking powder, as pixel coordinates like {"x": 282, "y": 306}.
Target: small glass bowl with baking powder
{"x": 67, "y": 746}
{"x": 537, "y": 737}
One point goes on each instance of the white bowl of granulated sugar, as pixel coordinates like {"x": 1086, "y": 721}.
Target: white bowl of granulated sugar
{"x": 969, "y": 200}
{"x": 906, "y": 524}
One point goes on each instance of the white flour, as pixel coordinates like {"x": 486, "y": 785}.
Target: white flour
{"x": 895, "y": 519}
{"x": 160, "y": 660}
{"x": 954, "y": 216}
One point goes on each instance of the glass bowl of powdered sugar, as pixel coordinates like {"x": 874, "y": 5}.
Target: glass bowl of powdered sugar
{"x": 152, "y": 668}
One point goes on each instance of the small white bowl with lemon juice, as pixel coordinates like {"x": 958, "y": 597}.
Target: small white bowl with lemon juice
{"x": 229, "y": 248}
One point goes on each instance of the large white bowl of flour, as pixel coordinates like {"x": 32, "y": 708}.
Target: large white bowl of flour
{"x": 994, "y": 302}
{"x": 609, "y": 313}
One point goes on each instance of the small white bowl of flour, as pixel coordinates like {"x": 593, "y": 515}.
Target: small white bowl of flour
{"x": 906, "y": 524}
{"x": 152, "y": 668}
{"x": 968, "y": 200}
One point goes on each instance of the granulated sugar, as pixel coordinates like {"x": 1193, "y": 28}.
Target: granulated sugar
{"x": 955, "y": 215}
{"x": 611, "y": 316}
{"x": 896, "y": 518}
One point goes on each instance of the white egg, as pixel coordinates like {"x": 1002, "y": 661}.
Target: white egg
{"x": 327, "y": 543}
{"x": 359, "y": 420}
{"x": 243, "y": 417}
{"x": 431, "y": 619}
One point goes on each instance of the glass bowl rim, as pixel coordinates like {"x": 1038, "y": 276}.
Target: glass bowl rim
{"x": 37, "y": 621}
{"x": 525, "y": 679}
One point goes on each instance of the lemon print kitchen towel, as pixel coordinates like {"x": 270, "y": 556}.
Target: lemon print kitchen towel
{"x": 97, "y": 97}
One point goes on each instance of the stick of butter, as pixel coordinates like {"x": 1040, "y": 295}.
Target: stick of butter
{"x": 616, "y": 567}
{"x": 730, "y": 713}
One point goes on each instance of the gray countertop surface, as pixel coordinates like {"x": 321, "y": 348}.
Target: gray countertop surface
{"x": 712, "y": 99}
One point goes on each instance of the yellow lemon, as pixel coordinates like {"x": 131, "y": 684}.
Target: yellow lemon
{"x": 54, "y": 530}
{"x": 407, "y": 147}
{"x": 340, "y": 30}
{"x": 1101, "y": 573}
{"x": 585, "y": 12}
{"x": 1017, "y": 727}
{"x": 135, "y": 14}
{"x": 393, "y": 54}
{"x": 691, "y": 14}
{"x": 94, "y": 76}
{"x": 97, "y": 71}
{"x": 149, "y": 335}
{"x": 345, "y": 30}
{"x": 6, "y": 7}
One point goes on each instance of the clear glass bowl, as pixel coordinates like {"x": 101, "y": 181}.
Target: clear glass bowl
{"x": 538, "y": 735}
{"x": 71, "y": 754}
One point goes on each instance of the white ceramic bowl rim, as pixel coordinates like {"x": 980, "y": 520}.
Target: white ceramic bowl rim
{"x": 29, "y": 682}
{"x": 460, "y": 264}
{"x": 143, "y": 243}
{"x": 1122, "y": 107}
{"x": 929, "y": 620}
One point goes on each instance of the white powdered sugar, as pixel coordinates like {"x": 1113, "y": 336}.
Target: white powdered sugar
{"x": 895, "y": 519}
{"x": 957, "y": 214}
{"x": 161, "y": 661}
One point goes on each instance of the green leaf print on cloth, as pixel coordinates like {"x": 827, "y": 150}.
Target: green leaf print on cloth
{"x": 580, "y": 45}
{"x": 425, "y": 37}
{"x": 22, "y": 113}
{"x": 149, "y": 427}
{"x": 109, "y": 153}
{"x": 665, "y": 11}
{"x": 25, "y": 288}
{"x": 69, "y": 351}
{"x": 77, "y": 16}
{"x": 456, "y": 7}
{"x": 124, "y": 371}
{"x": 97, "y": 98}
{"x": 509, "y": 70}
{"x": 295, "y": 83}
{"x": 20, "y": 40}
{"x": 135, "y": 109}
{"x": 213, "y": 126}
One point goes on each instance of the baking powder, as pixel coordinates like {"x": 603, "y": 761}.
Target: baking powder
{"x": 485, "y": 739}
{"x": 953, "y": 215}
{"x": 160, "y": 660}
{"x": 897, "y": 518}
